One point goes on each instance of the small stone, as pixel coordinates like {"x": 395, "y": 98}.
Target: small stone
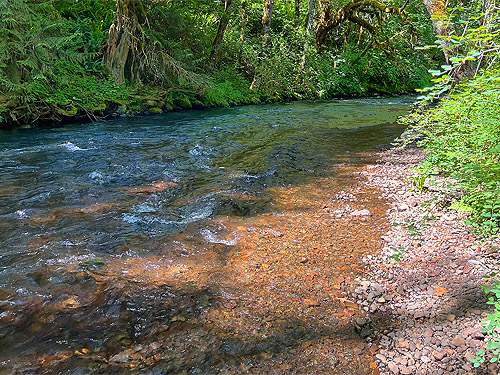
{"x": 403, "y": 207}
{"x": 404, "y": 344}
{"x": 381, "y": 357}
{"x": 405, "y": 370}
{"x": 361, "y": 321}
{"x": 438, "y": 355}
{"x": 470, "y": 356}
{"x": 357, "y": 350}
{"x": 474, "y": 343}
{"x": 419, "y": 314}
{"x": 393, "y": 368}
{"x": 449, "y": 351}
{"x": 120, "y": 358}
{"x": 478, "y": 335}
{"x": 311, "y": 303}
{"x": 361, "y": 213}
{"x": 458, "y": 341}
{"x": 425, "y": 359}
{"x": 450, "y": 317}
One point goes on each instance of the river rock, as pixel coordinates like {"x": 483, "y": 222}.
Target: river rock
{"x": 393, "y": 368}
{"x": 120, "y": 358}
{"x": 458, "y": 341}
{"x": 361, "y": 213}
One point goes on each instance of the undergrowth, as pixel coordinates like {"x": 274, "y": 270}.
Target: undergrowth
{"x": 461, "y": 135}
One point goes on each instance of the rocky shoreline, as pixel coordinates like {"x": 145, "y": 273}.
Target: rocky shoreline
{"x": 422, "y": 294}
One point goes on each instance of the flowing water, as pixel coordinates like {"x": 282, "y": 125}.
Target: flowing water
{"x": 200, "y": 242}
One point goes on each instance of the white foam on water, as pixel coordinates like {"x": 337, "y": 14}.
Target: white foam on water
{"x": 22, "y": 214}
{"x": 71, "y": 147}
{"x": 211, "y": 237}
{"x": 131, "y": 219}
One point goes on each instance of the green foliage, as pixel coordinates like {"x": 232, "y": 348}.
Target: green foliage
{"x": 462, "y": 135}
{"x": 51, "y": 54}
{"x": 474, "y": 46}
{"x": 491, "y": 326}
{"x": 49, "y": 61}
{"x": 418, "y": 181}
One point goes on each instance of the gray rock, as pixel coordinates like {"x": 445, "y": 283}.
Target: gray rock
{"x": 120, "y": 358}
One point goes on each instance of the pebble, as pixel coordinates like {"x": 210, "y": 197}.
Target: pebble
{"x": 361, "y": 213}
{"x": 393, "y": 368}
{"x": 438, "y": 355}
{"x": 458, "y": 341}
{"x": 405, "y": 370}
{"x": 450, "y": 317}
{"x": 435, "y": 332}
{"x": 425, "y": 359}
{"x": 120, "y": 358}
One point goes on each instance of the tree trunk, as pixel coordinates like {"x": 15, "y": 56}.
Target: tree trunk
{"x": 310, "y": 16}
{"x": 439, "y": 19}
{"x": 309, "y": 28}
{"x": 297, "y": 11}
{"x": 266, "y": 19}
{"x": 243, "y": 19}
{"x": 266, "y": 28}
{"x": 224, "y": 21}
{"x": 125, "y": 40}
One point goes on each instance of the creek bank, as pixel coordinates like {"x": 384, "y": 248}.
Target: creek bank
{"x": 131, "y": 102}
{"x": 428, "y": 278}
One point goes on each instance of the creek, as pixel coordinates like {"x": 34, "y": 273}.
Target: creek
{"x": 198, "y": 242}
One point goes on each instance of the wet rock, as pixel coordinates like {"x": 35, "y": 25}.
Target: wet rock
{"x": 120, "y": 358}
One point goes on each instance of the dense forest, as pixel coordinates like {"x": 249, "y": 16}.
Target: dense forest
{"x": 60, "y": 58}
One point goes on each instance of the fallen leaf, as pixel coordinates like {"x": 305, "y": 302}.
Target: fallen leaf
{"x": 373, "y": 365}
{"x": 439, "y": 291}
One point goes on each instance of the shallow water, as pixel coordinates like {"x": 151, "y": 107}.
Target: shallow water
{"x": 115, "y": 233}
